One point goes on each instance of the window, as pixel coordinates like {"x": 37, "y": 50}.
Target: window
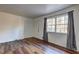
{"x": 57, "y": 24}
{"x": 51, "y": 25}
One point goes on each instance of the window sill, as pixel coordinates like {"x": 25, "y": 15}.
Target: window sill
{"x": 57, "y": 33}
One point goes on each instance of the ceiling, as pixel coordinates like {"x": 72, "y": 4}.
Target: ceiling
{"x": 32, "y": 10}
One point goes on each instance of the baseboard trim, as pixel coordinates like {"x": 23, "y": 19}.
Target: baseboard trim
{"x": 58, "y": 46}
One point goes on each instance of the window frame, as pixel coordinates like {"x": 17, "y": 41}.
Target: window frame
{"x": 55, "y": 31}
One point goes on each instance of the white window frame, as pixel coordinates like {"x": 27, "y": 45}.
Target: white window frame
{"x": 60, "y": 24}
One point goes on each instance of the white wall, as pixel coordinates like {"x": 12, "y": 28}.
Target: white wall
{"x": 57, "y": 38}
{"x": 14, "y": 27}
{"x": 38, "y": 30}
{"x": 28, "y": 28}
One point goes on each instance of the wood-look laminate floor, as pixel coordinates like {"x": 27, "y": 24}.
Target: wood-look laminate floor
{"x": 28, "y": 46}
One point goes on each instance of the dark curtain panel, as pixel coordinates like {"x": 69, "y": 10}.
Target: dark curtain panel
{"x": 45, "y": 34}
{"x": 71, "y": 42}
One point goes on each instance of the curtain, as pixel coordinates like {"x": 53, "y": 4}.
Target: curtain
{"x": 71, "y": 42}
{"x": 45, "y": 34}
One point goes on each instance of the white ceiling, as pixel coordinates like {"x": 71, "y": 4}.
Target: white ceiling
{"x": 31, "y": 10}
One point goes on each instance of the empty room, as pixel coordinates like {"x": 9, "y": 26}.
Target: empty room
{"x": 39, "y": 29}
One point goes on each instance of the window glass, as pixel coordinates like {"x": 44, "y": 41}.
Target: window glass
{"x": 57, "y": 24}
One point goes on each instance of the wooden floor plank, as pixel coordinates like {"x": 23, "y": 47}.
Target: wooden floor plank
{"x": 28, "y": 46}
